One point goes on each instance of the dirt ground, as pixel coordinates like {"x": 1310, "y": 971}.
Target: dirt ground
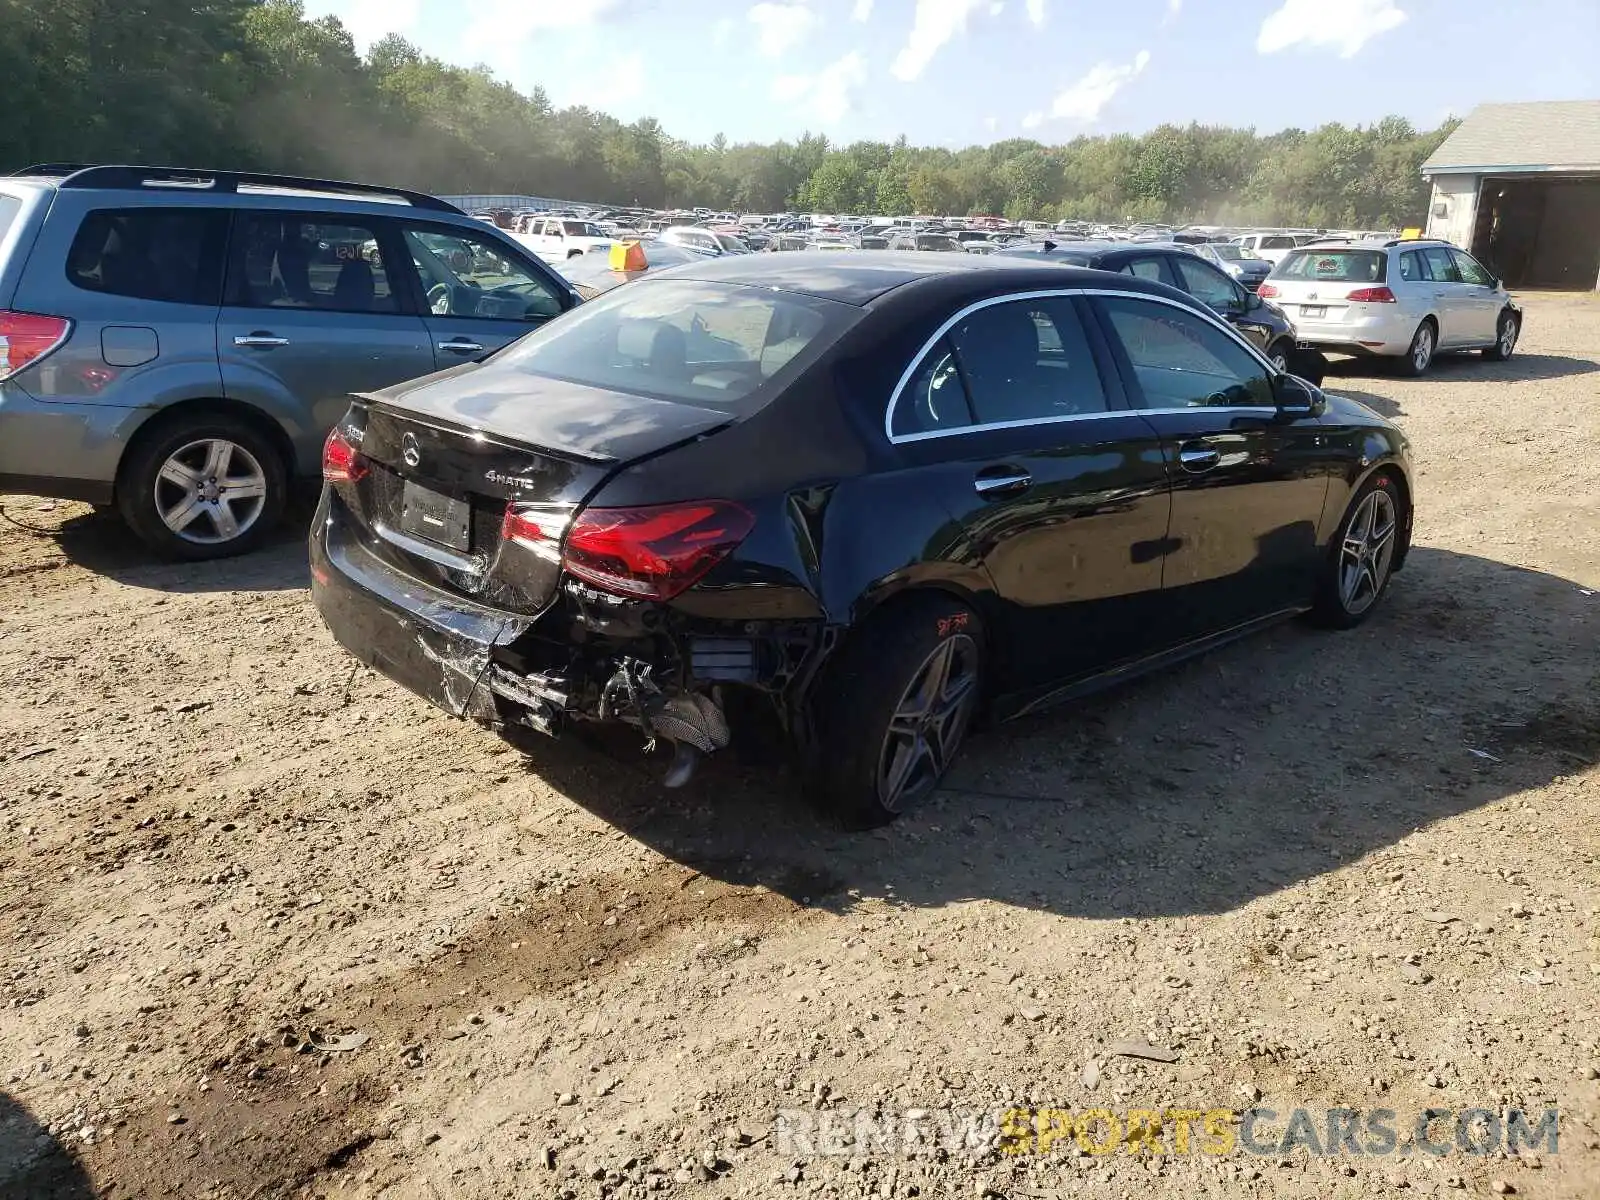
{"x": 1326, "y": 870}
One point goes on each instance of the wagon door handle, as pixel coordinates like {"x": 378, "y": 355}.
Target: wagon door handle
{"x": 1002, "y": 481}
{"x": 260, "y": 340}
{"x": 461, "y": 346}
{"x": 1198, "y": 458}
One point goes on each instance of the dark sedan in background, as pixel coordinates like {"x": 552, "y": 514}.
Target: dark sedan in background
{"x": 1179, "y": 267}
{"x": 869, "y": 497}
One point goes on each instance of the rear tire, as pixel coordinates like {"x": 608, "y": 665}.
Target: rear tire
{"x": 1419, "y": 357}
{"x": 893, "y": 710}
{"x": 203, "y": 486}
{"x": 1506, "y": 332}
{"x": 1361, "y": 560}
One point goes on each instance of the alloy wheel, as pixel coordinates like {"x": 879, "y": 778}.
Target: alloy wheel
{"x": 1367, "y": 552}
{"x": 929, "y": 722}
{"x": 1422, "y": 348}
{"x": 1280, "y": 362}
{"x": 1508, "y": 337}
{"x": 210, "y": 491}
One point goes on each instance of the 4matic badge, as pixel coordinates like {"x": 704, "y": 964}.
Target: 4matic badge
{"x": 507, "y": 480}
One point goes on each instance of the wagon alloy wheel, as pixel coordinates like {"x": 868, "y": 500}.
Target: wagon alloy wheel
{"x": 1367, "y": 552}
{"x": 210, "y": 491}
{"x": 1422, "y": 349}
{"x": 1508, "y": 337}
{"x": 929, "y": 722}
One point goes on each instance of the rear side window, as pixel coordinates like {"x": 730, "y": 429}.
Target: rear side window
{"x": 290, "y": 261}
{"x": 1441, "y": 266}
{"x": 1412, "y": 269}
{"x": 168, "y": 254}
{"x": 1335, "y": 266}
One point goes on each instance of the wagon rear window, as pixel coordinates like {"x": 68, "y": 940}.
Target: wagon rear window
{"x": 1335, "y": 266}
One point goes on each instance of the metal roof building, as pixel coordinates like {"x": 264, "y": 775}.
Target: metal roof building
{"x": 1519, "y": 186}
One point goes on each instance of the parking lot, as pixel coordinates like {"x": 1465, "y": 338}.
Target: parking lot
{"x": 1325, "y": 870}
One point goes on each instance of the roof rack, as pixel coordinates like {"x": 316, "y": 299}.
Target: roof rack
{"x": 50, "y": 168}
{"x": 228, "y": 181}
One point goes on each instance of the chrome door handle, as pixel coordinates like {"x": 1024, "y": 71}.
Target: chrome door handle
{"x": 1004, "y": 481}
{"x": 1198, "y": 459}
{"x": 461, "y": 346}
{"x": 260, "y": 341}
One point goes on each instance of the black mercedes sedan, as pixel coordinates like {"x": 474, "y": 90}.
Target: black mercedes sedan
{"x": 872, "y": 497}
{"x": 1186, "y": 268}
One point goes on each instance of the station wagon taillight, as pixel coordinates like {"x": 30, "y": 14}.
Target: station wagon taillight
{"x": 1377, "y": 295}
{"x": 651, "y": 553}
{"x": 1267, "y": 291}
{"x": 25, "y": 338}
{"x": 342, "y": 462}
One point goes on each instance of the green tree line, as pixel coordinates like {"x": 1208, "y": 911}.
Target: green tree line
{"x": 254, "y": 84}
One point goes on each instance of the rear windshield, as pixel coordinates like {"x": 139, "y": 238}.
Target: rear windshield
{"x": 711, "y": 344}
{"x": 1335, "y": 266}
{"x": 10, "y": 206}
{"x": 1230, "y": 252}
{"x": 1277, "y": 243}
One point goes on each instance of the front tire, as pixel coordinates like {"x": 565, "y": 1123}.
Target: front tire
{"x": 1278, "y": 356}
{"x": 1506, "y": 333}
{"x": 894, "y": 710}
{"x": 1419, "y": 357}
{"x": 203, "y": 487}
{"x": 1361, "y": 559}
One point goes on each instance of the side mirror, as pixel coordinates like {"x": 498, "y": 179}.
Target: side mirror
{"x": 1252, "y": 301}
{"x": 1297, "y": 397}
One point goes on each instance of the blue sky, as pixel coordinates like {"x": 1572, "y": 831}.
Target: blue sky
{"x": 956, "y": 72}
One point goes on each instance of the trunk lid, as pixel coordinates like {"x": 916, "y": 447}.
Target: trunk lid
{"x": 1314, "y": 284}
{"x": 448, "y": 454}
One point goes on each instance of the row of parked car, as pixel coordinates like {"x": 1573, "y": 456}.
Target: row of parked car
{"x": 177, "y": 344}
{"x": 867, "y": 498}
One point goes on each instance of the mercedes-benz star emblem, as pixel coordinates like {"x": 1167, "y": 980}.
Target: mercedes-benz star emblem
{"x": 410, "y": 450}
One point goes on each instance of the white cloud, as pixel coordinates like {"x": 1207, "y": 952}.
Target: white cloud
{"x": 781, "y": 27}
{"x": 502, "y": 33}
{"x": 1344, "y": 25}
{"x": 997, "y": 8}
{"x": 862, "y": 11}
{"x": 721, "y": 32}
{"x": 1085, "y": 100}
{"x": 1174, "y": 7}
{"x": 1033, "y": 120}
{"x": 1036, "y": 13}
{"x": 617, "y": 87}
{"x": 936, "y": 23}
{"x": 828, "y": 96}
{"x": 370, "y": 21}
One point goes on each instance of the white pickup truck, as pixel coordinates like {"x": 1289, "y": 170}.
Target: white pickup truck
{"x": 556, "y": 239}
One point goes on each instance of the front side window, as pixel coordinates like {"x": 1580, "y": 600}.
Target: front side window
{"x": 169, "y": 254}
{"x": 1208, "y": 285}
{"x": 1182, "y": 360}
{"x": 678, "y": 339}
{"x": 1471, "y": 270}
{"x": 294, "y": 261}
{"x": 466, "y": 275}
{"x": 1441, "y": 266}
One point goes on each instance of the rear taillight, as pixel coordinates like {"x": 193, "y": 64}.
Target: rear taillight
{"x": 25, "y": 338}
{"x": 341, "y": 461}
{"x": 1377, "y": 295}
{"x": 645, "y": 553}
{"x": 1266, "y": 291}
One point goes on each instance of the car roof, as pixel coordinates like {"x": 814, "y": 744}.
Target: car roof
{"x": 857, "y": 279}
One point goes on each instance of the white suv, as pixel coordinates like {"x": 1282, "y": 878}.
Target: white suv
{"x": 1407, "y": 300}
{"x": 557, "y": 238}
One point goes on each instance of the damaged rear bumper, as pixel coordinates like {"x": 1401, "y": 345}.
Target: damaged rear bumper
{"x": 573, "y": 663}
{"x": 425, "y": 639}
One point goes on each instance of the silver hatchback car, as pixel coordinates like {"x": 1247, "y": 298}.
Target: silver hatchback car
{"x": 1406, "y": 300}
